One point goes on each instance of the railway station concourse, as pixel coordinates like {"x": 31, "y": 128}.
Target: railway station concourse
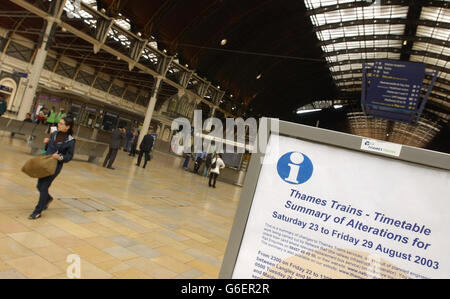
{"x": 143, "y": 65}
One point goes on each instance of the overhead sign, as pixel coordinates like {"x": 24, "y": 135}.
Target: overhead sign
{"x": 6, "y": 88}
{"x": 393, "y": 89}
{"x": 20, "y": 74}
{"x": 323, "y": 211}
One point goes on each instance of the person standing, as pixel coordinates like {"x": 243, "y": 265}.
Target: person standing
{"x": 2, "y": 106}
{"x": 28, "y": 118}
{"x": 60, "y": 115}
{"x": 145, "y": 148}
{"x": 61, "y": 146}
{"x": 42, "y": 116}
{"x": 51, "y": 120}
{"x": 207, "y": 164}
{"x": 216, "y": 164}
{"x": 186, "y": 160}
{"x": 114, "y": 144}
{"x": 129, "y": 137}
{"x": 134, "y": 143}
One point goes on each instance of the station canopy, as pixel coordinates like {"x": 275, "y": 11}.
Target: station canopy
{"x": 271, "y": 58}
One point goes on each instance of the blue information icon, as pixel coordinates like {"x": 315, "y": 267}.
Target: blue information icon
{"x": 295, "y": 168}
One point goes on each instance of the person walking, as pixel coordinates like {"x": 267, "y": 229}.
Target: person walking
{"x": 61, "y": 146}
{"x": 114, "y": 144}
{"x": 145, "y": 148}
{"x": 216, "y": 164}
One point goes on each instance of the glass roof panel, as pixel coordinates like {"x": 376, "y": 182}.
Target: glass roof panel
{"x": 433, "y": 32}
{"x": 360, "y": 13}
{"x": 360, "y": 30}
{"x": 441, "y": 50}
{"x": 312, "y": 4}
{"x": 438, "y": 14}
{"x": 431, "y": 61}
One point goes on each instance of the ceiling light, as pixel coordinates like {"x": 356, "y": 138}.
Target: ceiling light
{"x": 337, "y": 106}
{"x": 186, "y": 65}
{"x": 307, "y": 111}
{"x": 223, "y": 42}
{"x": 405, "y": 42}
{"x": 165, "y": 51}
{"x": 258, "y": 77}
{"x": 139, "y": 34}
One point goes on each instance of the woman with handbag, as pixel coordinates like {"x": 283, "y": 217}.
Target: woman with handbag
{"x": 60, "y": 146}
{"x": 216, "y": 164}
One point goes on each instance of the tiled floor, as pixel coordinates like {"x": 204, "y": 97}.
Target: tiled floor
{"x": 164, "y": 223}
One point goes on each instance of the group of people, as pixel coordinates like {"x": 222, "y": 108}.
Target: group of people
{"x": 118, "y": 137}
{"x": 51, "y": 117}
{"x": 213, "y": 165}
{"x": 61, "y": 146}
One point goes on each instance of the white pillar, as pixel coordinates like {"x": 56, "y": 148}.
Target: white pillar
{"x": 149, "y": 113}
{"x": 35, "y": 74}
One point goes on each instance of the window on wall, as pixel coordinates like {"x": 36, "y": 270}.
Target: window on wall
{"x": 101, "y": 84}
{"x": 50, "y": 63}
{"x": 88, "y": 117}
{"x": 18, "y": 51}
{"x": 126, "y": 123}
{"x": 75, "y": 111}
{"x": 142, "y": 100}
{"x": 84, "y": 78}
{"x": 116, "y": 90}
{"x": 65, "y": 70}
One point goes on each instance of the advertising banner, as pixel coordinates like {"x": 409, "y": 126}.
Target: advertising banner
{"x": 322, "y": 211}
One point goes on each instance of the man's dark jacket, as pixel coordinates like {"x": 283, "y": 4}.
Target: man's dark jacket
{"x": 147, "y": 143}
{"x": 116, "y": 139}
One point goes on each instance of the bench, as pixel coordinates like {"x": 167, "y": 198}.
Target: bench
{"x": 84, "y": 146}
{"x": 19, "y": 127}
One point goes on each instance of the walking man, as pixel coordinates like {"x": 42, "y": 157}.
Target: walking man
{"x": 145, "y": 148}
{"x": 116, "y": 140}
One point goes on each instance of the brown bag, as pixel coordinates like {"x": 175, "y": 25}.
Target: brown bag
{"x": 40, "y": 167}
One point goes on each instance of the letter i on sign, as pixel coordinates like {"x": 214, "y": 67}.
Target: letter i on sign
{"x": 296, "y": 159}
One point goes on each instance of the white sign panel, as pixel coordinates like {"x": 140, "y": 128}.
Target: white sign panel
{"x": 325, "y": 212}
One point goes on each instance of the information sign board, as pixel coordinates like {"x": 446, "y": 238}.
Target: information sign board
{"x": 326, "y": 205}
{"x": 393, "y": 90}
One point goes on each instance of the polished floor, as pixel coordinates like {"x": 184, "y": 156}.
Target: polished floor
{"x": 158, "y": 222}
